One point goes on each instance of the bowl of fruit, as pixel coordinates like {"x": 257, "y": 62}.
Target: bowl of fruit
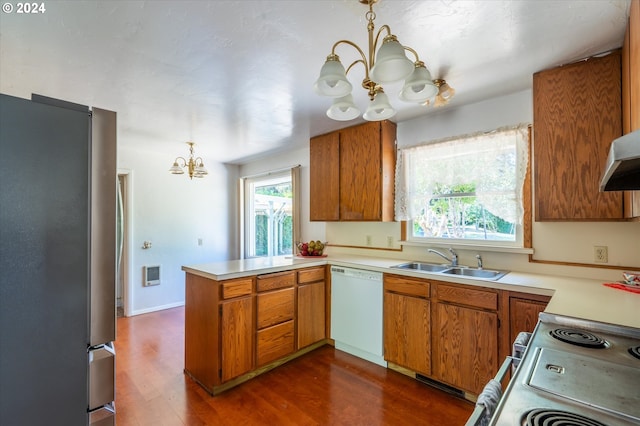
{"x": 311, "y": 249}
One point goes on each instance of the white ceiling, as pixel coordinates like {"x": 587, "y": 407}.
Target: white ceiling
{"x": 236, "y": 76}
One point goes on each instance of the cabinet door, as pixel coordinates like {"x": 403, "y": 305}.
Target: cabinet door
{"x": 360, "y": 177}
{"x": 631, "y": 94}
{"x": 576, "y": 115}
{"x": 236, "y": 331}
{"x": 466, "y": 343}
{"x": 324, "y": 171}
{"x": 407, "y": 332}
{"x": 311, "y": 313}
{"x": 523, "y": 315}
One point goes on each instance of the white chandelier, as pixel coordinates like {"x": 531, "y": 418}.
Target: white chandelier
{"x": 194, "y": 166}
{"x": 389, "y": 65}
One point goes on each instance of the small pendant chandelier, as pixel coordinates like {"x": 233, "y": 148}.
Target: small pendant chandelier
{"x": 388, "y": 65}
{"x": 195, "y": 166}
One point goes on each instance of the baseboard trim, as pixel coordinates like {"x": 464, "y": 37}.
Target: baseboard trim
{"x": 156, "y": 308}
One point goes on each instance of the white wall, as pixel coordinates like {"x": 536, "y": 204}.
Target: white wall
{"x": 173, "y": 212}
{"x": 562, "y": 241}
{"x": 552, "y": 241}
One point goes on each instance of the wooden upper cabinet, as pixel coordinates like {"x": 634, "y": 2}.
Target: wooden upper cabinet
{"x": 576, "y": 114}
{"x": 352, "y": 173}
{"x": 324, "y": 185}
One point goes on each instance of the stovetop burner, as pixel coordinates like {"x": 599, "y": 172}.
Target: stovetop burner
{"x": 635, "y": 351}
{"x": 550, "y": 417}
{"x": 578, "y": 337}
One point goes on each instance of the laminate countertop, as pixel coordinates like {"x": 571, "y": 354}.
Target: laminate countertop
{"x": 574, "y": 297}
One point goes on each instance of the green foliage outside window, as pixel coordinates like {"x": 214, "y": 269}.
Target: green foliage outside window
{"x": 454, "y": 211}
{"x": 283, "y": 222}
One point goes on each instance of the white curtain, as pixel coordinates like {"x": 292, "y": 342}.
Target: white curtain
{"x": 495, "y": 162}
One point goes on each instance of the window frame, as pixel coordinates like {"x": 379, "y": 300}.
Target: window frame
{"x": 247, "y": 225}
{"x": 523, "y": 241}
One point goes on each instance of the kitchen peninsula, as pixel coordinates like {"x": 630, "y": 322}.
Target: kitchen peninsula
{"x": 244, "y": 317}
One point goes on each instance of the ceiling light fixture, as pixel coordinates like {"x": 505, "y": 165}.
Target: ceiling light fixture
{"x": 388, "y": 65}
{"x": 445, "y": 93}
{"x": 195, "y": 166}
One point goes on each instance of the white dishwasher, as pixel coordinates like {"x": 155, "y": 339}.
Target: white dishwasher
{"x": 356, "y": 313}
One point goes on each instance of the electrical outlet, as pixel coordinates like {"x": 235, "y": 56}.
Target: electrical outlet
{"x": 600, "y": 254}
{"x": 390, "y": 242}
{"x": 368, "y": 238}
{"x": 199, "y": 241}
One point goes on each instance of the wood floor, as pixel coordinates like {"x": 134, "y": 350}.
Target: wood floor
{"x": 324, "y": 387}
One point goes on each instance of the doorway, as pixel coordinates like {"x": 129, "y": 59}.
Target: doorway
{"x": 122, "y": 242}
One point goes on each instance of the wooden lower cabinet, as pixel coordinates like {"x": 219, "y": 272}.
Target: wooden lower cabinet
{"x": 236, "y": 337}
{"x": 466, "y": 342}
{"x": 465, "y": 336}
{"x": 448, "y": 332}
{"x": 407, "y": 323}
{"x": 523, "y": 312}
{"x": 311, "y": 313}
{"x": 445, "y": 331}
{"x": 238, "y": 328}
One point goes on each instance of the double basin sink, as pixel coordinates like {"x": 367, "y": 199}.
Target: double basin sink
{"x": 461, "y": 271}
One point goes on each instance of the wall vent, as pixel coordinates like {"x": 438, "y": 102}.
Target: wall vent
{"x": 150, "y": 275}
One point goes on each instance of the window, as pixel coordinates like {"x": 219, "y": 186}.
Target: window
{"x": 465, "y": 190}
{"x": 270, "y": 213}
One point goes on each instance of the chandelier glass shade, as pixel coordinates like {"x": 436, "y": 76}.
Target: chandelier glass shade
{"x": 343, "y": 109}
{"x": 195, "y": 166}
{"x": 445, "y": 93}
{"x": 388, "y": 65}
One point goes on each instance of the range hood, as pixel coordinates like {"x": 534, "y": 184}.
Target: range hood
{"x": 622, "y": 171}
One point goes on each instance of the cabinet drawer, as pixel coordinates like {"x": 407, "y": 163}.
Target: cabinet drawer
{"x": 275, "y": 307}
{"x": 236, "y": 288}
{"x": 274, "y": 281}
{"x": 275, "y": 342}
{"x": 408, "y": 286}
{"x": 484, "y": 299}
{"x": 311, "y": 275}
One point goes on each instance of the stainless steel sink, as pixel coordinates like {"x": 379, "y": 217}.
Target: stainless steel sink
{"x": 462, "y": 271}
{"x": 420, "y": 266}
{"x": 486, "y": 274}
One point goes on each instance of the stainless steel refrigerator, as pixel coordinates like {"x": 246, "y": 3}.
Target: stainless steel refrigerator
{"x": 57, "y": 262}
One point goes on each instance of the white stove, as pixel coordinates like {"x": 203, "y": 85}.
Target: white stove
{"x": 575, "y": 372}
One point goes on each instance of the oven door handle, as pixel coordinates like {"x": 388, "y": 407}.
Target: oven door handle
{"x": 479, "y": 412}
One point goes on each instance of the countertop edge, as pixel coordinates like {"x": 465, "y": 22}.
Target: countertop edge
{"x": 574, "y": 297}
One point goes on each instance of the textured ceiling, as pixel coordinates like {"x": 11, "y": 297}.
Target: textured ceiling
{"x": 236, "y": 77}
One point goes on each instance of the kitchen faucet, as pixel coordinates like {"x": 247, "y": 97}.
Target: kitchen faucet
{"x": 454, "y": 256}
